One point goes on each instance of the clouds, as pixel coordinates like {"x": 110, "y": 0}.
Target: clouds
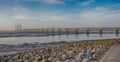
{"x": 48, "y": 15}
{"x": 43, "y": 1}
{"x": 86, "y": 3}
{"x": 47, "y": 1}
{"x": 99, "y": 16}
{"x": 52, "y": 1}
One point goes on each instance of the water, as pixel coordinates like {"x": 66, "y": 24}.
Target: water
{"x": 46, "y": 39}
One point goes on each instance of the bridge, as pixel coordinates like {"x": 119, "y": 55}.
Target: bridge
{"x": 61, "y": 31}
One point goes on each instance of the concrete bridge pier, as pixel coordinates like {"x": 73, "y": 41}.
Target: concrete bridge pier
{"x": 35, "y": 31}
{"x": 46, "y": 31}
{"x": 67, "y": 31}
{"x": 42, "y": 31}
{"x": 38, "y": 31}
{"x": 87, "y": 32}
{"x": 117, "y": 32}
{"x": 101, "y": 32}
{"x": 76, "y": 31}
{"x": 53, "y": 31}
{"x": 59, "y": 31}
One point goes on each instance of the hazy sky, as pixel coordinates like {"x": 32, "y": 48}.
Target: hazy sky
{"x": 59, "y": 13}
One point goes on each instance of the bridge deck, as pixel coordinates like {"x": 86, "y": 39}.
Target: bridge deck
{"x": 113, "y": 55}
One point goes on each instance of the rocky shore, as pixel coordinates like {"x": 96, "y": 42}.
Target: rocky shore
{"x": 88, "y": 51}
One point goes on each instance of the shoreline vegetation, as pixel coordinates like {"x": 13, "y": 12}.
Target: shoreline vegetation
{"x": 78, "y": 51}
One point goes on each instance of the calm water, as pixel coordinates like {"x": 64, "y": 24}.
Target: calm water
{"x": 46, "y": 39}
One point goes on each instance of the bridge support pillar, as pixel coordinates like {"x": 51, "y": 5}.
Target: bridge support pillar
{"x": 42, "y": 31}
{"x": 38, "y": 31}
{"x": 67, "y": 31}
{"x": 117, "y": 32}
{"x": 87, "y": 32}
{"x": 59, "y": 31}
{"x": 101, "y": 32}
{"x": 46, "y": 31}
{"x": 76, "y": 31}
{"x": 53, "y": 31}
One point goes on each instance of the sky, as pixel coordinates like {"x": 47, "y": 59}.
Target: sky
{"x": 59, "y": 13}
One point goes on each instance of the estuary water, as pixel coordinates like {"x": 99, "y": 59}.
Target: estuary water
{"x": 55, "y": 38}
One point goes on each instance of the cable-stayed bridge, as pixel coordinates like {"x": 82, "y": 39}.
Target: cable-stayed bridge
{"x": 60, "y": 31}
